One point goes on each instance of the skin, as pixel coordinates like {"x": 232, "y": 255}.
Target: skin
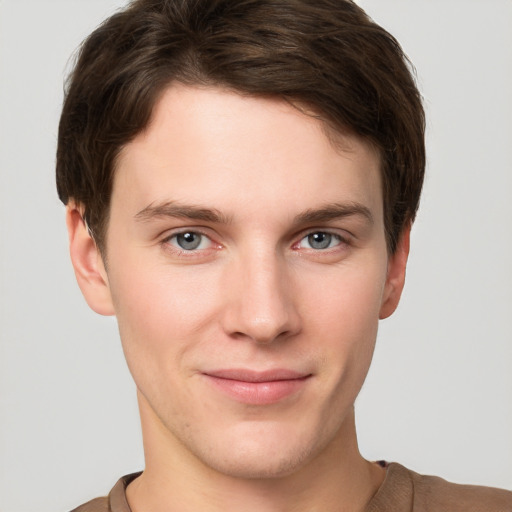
{"x": 257, "y": 184}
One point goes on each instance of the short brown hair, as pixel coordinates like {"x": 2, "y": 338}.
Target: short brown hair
{"x": 327, "y": 55}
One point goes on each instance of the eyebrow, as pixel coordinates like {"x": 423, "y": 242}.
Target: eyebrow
{"x": 334, "y": 211}
{"x": 329, "y": 212}
{"x": 177, "y": 210}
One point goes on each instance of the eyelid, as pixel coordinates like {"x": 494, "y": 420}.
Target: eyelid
{"x": 170, "y": 234}
{"x": 345, "y": 239}
{"x": 342, "y": 234}
{"x": 202, "y": 240}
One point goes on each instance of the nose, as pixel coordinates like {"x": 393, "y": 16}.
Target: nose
{"x": 260, "y": 301}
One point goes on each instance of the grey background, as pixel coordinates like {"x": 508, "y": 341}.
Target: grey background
{"x": 439, "y": 395}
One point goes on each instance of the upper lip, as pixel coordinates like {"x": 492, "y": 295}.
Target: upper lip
{"x": 245, "y": 375}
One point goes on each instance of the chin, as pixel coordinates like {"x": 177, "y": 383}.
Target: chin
{"x": 261, "y": 453}
{"x": 258, "y": 466}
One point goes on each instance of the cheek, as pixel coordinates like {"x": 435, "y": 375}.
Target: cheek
{"x": 345, "y": 322}
{"x": 160, "y": 312}
{"x": 348, "y": 301}
{"x": 160, "y": 296}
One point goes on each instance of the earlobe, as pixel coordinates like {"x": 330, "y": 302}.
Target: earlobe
{"x": 395, "y": 279}
{"x": 88, "y": 264}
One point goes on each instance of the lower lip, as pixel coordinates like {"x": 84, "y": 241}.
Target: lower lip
{"x": 258, "y": 393}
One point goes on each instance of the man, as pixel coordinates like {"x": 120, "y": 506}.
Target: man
{"x": 240, "y": 179}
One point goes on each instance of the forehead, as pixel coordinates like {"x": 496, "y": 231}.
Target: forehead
{"x": 235, "y": 152}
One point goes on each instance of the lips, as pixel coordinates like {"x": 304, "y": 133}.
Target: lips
{"x": 257, "y": 388}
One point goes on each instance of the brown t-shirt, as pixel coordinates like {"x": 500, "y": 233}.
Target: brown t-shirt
{"x": 402, "y": 491}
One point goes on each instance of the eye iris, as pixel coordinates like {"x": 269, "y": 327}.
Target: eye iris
{"x": 319, "y": 240}
{"x": 188, "y": 241}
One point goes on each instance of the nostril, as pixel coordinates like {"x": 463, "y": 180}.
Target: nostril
{"x": 266, "y": 331}
{"x": 261, "y": 306}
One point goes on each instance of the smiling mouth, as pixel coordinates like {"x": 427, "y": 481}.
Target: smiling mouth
{"x": 257, "y": 388}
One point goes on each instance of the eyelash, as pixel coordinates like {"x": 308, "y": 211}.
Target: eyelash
{"x": 194, "y": 252}
{"x": 341, "y": 240}
{"x": 175, "y": 249}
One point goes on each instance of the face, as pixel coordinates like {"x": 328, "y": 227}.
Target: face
{"x": 247, "y": 267}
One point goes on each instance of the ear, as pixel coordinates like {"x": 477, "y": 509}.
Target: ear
{"x": 395, "y": 279}
{"x": 88, "y": 264}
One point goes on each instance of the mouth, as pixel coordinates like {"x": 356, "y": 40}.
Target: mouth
{"x": 257, "y": 388}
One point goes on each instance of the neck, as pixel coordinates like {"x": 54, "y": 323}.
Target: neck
{"x": 338, "y": 479}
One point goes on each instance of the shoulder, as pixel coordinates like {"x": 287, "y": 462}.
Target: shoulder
{"x": 430, "y": 490}
{"x": 431, "y": 493}
{"x": 96, "y": 505}
{"x": 116, "y": 500}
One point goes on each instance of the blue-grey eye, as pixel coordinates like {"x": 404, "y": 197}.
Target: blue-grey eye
{"x": 189, "y": 241}
{"x": 320, "y": 240}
